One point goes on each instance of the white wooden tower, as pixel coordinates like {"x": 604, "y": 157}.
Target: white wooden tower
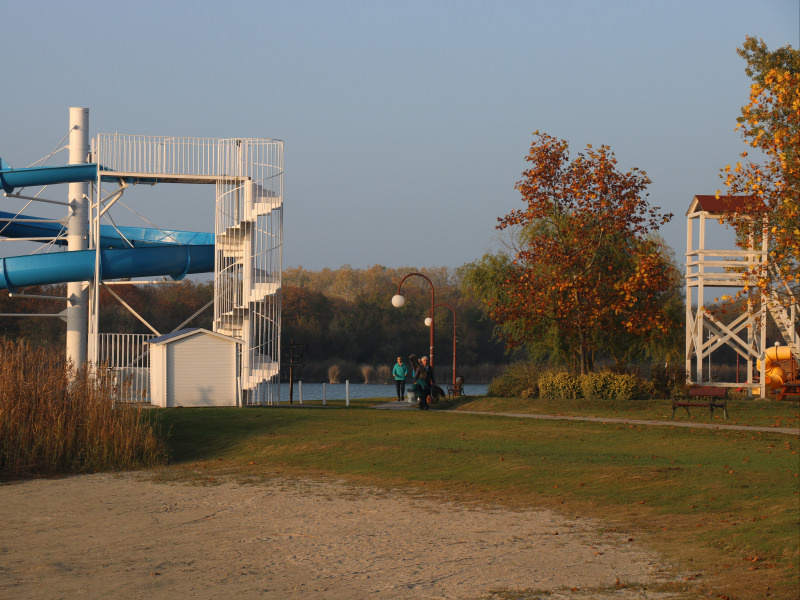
{"x": 708, "y": 271}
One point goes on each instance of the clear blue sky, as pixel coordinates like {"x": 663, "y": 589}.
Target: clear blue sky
{"x": 405, "y": 123}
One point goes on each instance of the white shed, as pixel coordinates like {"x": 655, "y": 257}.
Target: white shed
{"x": 194, "y": 367}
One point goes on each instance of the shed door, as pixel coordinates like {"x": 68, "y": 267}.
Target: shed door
{"x": 202, "y": 372}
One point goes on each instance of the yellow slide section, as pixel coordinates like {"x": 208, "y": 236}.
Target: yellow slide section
{"x": 775, "y": 376}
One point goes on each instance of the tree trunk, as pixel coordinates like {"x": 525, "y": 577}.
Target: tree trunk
{"x": 584, "y": 359}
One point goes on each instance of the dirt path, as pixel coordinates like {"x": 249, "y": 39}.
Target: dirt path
{"x": 789, "y": 430}
{"x": 689, "y": 424}
{"x": 122, "y": 536}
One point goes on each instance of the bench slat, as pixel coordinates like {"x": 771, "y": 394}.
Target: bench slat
{"x": 715, "y": 397}
{"x": 708, "y": 391}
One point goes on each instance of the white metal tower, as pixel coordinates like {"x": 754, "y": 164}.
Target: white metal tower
{"x": 248, "y": 178}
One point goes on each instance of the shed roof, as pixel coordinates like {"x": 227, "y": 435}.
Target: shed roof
{"x": 168, "y": 338}
{"x": 724, "y": 204}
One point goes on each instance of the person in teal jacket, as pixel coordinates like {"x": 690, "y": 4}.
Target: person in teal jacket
{"x": 400, "y": 373}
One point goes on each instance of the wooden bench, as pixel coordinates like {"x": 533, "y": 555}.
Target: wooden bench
{"x": 712, "y": 397}
{"x": 789, "y": 389}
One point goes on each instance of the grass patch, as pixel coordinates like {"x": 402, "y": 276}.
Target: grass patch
{"x": 722, "y": 504}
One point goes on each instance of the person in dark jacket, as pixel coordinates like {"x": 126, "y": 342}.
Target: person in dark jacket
{"x": 424, "y": 382}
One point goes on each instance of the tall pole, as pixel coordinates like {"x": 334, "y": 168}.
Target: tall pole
{"x": 454, "y": 336}
{"x": 398, "y": 300}
{"x": 77, "y": 237}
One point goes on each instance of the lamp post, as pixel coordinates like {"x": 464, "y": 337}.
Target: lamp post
{"x": 429, "y": 322}
{"x": 399, "y": 300}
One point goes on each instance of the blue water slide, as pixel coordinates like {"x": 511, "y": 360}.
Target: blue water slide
{"x": 154, "y": 253}
{"x": 61, "y": 267}
{"x": 11, "y": 179}
{"x": 110, "y": 236}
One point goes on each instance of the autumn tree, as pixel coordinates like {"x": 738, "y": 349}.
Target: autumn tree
{"x": 770, "y": 125}
{"x": 587, "y": 267}
{"x": 484, "y": 279}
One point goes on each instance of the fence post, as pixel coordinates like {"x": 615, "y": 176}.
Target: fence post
{"x": 324, "y": 394}
{"x": 347, "y": 392}
{"x": 300, "y": 390}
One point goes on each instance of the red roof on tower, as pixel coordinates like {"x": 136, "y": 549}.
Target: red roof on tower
{"x": 723, "y": 204}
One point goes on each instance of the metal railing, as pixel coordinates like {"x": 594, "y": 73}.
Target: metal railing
{"x": 206, "y": 157}
{"x": 127, "y": 358}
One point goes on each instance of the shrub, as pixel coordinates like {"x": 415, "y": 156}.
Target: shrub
{"x": 668, "y": 380}
{"x": 56, "y": 419}
{"x": 607, "y": 385}
{"x": 597, "y": 385}
{"x": 528, "y": 380}
{"x": 519, "y": 380}
{"x": 559, "y": 384}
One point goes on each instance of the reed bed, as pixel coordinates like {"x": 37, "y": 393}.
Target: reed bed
{"x": 55, "y": 419}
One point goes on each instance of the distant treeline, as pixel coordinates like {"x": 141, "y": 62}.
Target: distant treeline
{"x": 344, "y": 316}
{"x": 163, "y": 306}
{"x": 347, "y": 319}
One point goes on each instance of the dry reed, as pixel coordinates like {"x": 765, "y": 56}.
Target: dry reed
{"x": 56, "y": 419}
{"x": 384, "y": 374}
{"x": 334, "y": 371}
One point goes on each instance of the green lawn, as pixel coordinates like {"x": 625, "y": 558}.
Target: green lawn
{"x": 722, "y": 504}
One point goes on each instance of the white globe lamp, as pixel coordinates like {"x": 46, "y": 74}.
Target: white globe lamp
{"x": 428, "y": 321}
{"x": 398, "y": 300}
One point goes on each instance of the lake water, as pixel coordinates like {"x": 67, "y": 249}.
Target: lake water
{"x": 336, "y": 391}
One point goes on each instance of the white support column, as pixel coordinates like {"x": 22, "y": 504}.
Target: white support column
{"x": 689, "y": 326}
{"x": 77, "y": 236}
{"x": 762, "y": 272}
{"x": 701, "y": 300}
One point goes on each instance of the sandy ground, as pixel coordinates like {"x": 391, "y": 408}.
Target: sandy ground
{"x": 122, "y": 536}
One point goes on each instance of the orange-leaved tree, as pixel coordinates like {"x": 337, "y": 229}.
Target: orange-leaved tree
{"x": 588, "y": 266}
{"x": 770, "y": 124}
